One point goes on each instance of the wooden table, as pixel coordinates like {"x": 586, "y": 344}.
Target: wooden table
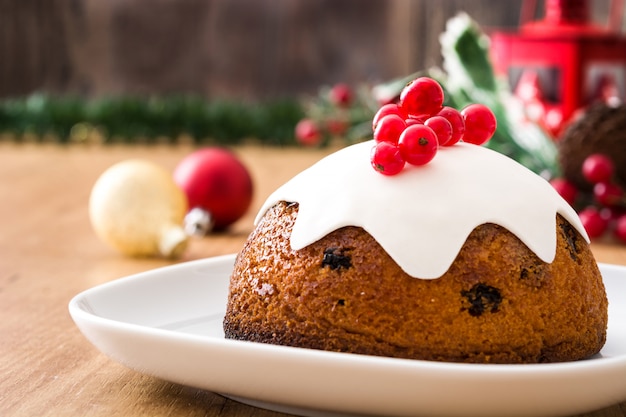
{"x": 49, "y": 253}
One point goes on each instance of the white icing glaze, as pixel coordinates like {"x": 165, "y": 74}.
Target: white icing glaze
{"x": 423, "y": 215}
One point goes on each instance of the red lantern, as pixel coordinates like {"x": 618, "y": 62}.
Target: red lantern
{"x": 564, "y": 62}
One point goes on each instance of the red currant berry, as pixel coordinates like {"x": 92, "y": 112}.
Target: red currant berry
{"x": 308, "y": 133}
{"x": 421, "y": 96}
{"x": 566, "y": 189}
{"x": 442, "y": 128}
{"x": 620, "y": 228}
{"x": 418, "y": 144}
{"x": 386, "y": 159}
{"x": 413, "y": 121}
{"x": 457, "y": 122}
{"x": 389, "y": 129}
{"x": 341, "y": 95}
{"x": 598, "y": 168}
{"x": 593, "y": 222}
{"x": 608, "y": 194}
{"x": 385, "y": 110}
{"x": 480, "y": 124}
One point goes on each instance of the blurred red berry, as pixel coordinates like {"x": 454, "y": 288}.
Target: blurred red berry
{"x": 566, "y": 189}
{"x": 308, "y": 133}
{"x": 620, "y": 228}
{"x": 341, "y": 95}
{"x": 608, "y": 194}
{"x": 593, "y": 222}
{"x": 336, "y": 126}
{"x": 610, "y": 214}
{"x": 598, "y": 168}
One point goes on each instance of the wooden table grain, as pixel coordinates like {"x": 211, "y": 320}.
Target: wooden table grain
{"x": 49, "y": 253}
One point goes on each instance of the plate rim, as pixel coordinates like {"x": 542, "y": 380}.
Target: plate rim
{"x": 494, "y": 372}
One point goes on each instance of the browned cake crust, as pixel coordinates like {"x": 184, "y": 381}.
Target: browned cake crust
{"x": 498, "y": 302}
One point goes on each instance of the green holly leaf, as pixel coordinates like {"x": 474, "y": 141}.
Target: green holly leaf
{"x": 469, "y": 77}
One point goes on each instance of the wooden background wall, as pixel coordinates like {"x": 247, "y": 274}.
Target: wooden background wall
{"x": 225, "y": 48}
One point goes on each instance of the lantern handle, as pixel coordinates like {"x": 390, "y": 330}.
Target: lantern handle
{"x": 616, "y": 15}
{"x": 616, "y": 11}
{"x": 527, "y": 14}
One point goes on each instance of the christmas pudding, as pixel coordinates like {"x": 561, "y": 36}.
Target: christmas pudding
{"x": 468, "y": 258}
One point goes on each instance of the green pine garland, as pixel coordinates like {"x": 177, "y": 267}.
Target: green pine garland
{"x": 132, "y": 119}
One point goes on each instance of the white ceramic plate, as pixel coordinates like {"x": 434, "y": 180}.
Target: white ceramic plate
{"x": 168, "y": 323}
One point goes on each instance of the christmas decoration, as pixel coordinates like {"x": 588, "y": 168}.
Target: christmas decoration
{"x": 337, "y": 112}
{"x": 600, "y": 129}
{"x": 592, "y": 154}
{"x": 467, "y": 77}
{"x": 138, "y": 119}
{"x": 137, "y": 208}
{"x": 563, "y": 62}
{"x": 413, "y": 130}
{"x": 308, "y": 133}
{"x": 218, "y": 188}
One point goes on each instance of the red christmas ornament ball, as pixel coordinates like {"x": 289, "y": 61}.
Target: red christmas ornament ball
{"x": 215, "y": 180}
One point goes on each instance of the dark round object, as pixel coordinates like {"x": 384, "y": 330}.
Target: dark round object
{"x": 600, "y": 129}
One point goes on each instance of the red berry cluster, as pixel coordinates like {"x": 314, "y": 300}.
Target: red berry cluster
{"x": 607, "y": 209}
{"x": 412, "y": 130}
{"x": 312, "y": 132}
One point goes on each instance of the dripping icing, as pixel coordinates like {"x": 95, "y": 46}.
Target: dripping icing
{"x": 423, "y": 215}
